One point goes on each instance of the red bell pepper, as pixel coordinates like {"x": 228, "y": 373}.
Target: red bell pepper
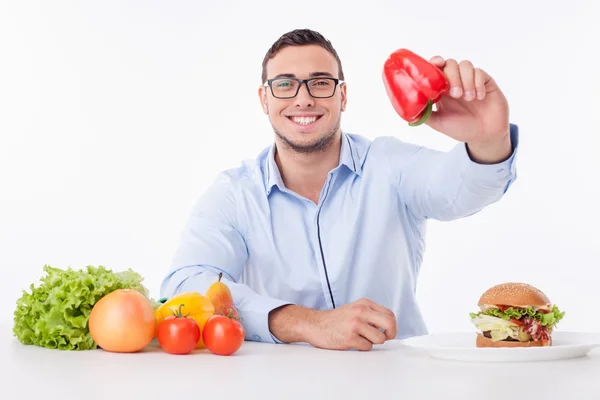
{"x": 413, "y": 85}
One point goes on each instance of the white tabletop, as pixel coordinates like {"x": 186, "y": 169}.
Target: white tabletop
{"x": 283, "y": 372}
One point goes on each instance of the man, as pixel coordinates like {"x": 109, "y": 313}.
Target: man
{"x": 320, "y": 239}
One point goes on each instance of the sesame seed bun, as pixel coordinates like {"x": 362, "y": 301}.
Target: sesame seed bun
{"x": 514, "y": 294}
{"x": 482, "y": 341}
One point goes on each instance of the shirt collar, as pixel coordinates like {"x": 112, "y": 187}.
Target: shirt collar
{"x": 349, "y": 157}
{"x": 272, "y": 175}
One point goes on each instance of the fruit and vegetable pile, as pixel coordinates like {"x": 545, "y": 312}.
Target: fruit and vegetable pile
{"x": 96, "y": 308}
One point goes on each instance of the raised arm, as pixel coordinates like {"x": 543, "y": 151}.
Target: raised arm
{"x": 475, "y": 112}
{"x": 450, "y": 185}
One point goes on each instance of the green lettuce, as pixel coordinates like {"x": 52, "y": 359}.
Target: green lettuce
{"x": 55, "y": 313}
{"x": 546, "y": 319}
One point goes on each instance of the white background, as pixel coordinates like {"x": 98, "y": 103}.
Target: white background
{"x": 113, "y": 120}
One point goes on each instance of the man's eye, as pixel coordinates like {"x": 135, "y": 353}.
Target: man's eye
{"x": 284, "y": 84}
{"x": 322, "y": 82}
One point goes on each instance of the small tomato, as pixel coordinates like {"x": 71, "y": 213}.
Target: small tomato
{"x": 222, "y": 335}
{"x": 178, "y": 334}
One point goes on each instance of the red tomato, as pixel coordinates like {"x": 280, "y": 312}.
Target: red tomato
{"x": 223, "y": 335}
{"x": 178, "y": 335}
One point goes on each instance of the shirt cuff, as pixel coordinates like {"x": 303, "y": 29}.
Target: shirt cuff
{"x": 502, "y": 173}
{"x": 255, "y": 318}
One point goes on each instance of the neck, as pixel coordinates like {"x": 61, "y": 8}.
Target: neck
{"x": 306, "y": 173}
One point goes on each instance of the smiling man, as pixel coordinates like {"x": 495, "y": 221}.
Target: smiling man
{"x": 321, "y": 237}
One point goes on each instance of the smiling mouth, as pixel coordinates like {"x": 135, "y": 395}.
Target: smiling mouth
{"x": 305, "y": 121}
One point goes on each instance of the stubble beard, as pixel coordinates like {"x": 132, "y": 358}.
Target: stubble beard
{"x": 321, "y": 144}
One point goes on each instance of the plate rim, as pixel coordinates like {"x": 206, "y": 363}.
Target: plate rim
{"x": 586, "y": 344}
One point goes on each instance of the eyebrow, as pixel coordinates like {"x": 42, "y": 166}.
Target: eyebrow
{"x": 312, "y": 75}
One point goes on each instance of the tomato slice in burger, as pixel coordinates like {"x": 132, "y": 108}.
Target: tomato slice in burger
{"x": 516, "y": 321}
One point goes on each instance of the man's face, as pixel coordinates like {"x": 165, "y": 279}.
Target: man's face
{"x": 304, "y": 123}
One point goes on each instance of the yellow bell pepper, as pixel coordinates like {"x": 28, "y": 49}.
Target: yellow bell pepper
{"x": 191, "y": 304}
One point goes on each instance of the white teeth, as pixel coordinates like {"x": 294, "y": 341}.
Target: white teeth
{"x": 304, "y": 120}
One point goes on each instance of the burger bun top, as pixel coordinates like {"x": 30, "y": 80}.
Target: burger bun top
{"x": 514, "y": 294}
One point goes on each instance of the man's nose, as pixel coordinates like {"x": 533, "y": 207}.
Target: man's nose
{"x": 303, "y": 98}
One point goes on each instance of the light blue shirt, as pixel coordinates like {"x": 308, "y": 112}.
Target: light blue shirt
{"x": 364, "y": 239}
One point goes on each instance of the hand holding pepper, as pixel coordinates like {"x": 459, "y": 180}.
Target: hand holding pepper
{"x": 470, "y": 107}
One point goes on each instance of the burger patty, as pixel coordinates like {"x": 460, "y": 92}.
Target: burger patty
{"x": 488, "y": 335}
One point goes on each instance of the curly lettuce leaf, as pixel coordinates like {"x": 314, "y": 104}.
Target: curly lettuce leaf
{"x": 55, "y": 313}
{"x": 549, "y": 320}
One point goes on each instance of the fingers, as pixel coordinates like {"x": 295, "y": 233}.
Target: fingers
{"x": 357, "y": 336}
{"x": 372, "y": 334}
{"x": 362, "y": 335}
{"x": 379, "y": 318}
{"x": 453, "y": 74}
{"x": 438, "y": 61}
{"x": 480, "y": 81}
{"x": 358, "y": 325}
{"x": 362, "y": 344}
{"x": 383, "y": 321}
{"x": 465, "y": 80}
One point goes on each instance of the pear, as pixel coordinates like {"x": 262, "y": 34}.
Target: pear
{"x": 220, "y": 295}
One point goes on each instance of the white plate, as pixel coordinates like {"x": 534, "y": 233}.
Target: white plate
{"x": 461, "y": 347}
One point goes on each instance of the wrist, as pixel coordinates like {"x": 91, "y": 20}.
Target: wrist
{"x": 490, "y": 151}
{"x": 293, "y": 323}
{"x": 309, "y": 325}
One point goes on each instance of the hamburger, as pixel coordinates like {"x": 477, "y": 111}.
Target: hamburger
{"x": 515, "y": 315}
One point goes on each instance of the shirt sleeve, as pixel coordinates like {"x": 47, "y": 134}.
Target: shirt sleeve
{"x": 211, "y": 242}
{"x": 450, "y": 185}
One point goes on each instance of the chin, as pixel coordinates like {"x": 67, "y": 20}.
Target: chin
{"x": 305, "y": 146}
{"x": 305, "y": 142}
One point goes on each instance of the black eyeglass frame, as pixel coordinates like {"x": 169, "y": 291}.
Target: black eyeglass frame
{"x": 337, "y": 82}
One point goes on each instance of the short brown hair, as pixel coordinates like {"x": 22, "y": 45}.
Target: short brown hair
{"x": 300, "y": 37}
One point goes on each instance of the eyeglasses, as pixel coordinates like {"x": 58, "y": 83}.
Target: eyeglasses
{"x": 287, "y": 88}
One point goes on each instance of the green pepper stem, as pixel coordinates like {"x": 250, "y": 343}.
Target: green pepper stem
{"x": 426, "y": 113}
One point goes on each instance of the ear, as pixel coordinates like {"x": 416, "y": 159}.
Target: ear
{"x": 344, "y": 96}
{"x": 262, "y": 95}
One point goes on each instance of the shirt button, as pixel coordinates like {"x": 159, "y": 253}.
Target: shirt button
{"x": 256, "y": 337}
{"x": 500, "y": 172}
